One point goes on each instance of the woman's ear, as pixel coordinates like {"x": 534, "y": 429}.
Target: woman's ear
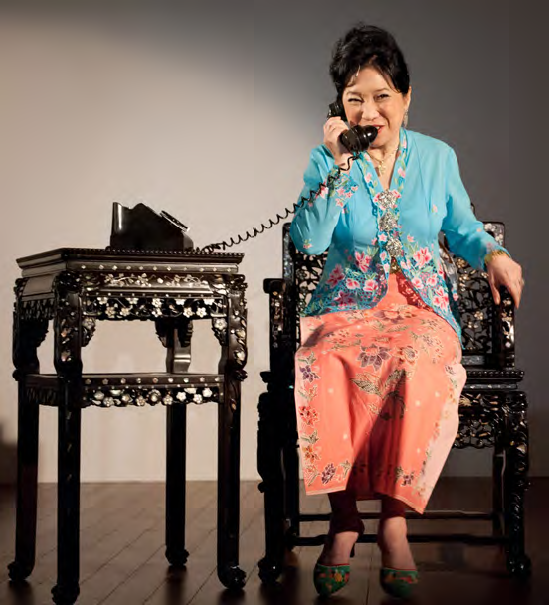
{"x": 408, "y": 98}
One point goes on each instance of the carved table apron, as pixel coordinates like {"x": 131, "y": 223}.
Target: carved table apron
{"x": 76, "y": 287}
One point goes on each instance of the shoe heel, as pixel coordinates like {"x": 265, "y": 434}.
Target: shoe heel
{"x": 353, "y": 552}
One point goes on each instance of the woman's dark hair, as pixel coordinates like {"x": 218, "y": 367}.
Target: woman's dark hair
{"x": 367, "y": 45}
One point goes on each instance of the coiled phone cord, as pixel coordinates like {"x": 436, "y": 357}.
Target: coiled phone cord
{"x": 250, "y": 234}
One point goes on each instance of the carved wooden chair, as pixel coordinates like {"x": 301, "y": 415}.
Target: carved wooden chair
{"x": 492, "y": 413}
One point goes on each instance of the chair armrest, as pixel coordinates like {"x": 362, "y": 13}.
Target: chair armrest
{"x": 503, "y": 337}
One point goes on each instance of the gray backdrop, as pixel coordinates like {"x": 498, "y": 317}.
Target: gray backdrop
{"x": 459, "y": 60}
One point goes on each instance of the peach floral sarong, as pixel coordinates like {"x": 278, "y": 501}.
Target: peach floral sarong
{"x": 377, "y": 394}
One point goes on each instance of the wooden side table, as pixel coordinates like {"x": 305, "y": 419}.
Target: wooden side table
{"x": 77, "y": 287}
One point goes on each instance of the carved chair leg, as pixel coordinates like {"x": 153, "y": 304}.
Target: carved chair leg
{"x": 516, "y": 482}
{"x": 68, "y": 492}
{"x": 498, "y": 460}
{"x": 290, "y": 458}
{"x": 27, "y": 485}
{"x": 269, "y": 466}
{"x": 176, "y": 484}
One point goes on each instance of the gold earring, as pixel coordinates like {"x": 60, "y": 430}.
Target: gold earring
{"x": 405, "y": 121}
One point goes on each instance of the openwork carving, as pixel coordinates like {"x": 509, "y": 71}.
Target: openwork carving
{"x": 504, "y": 331}
{"x": 42, "y": 309}
{"x": 237, "y": 326}
{"x": 482, "y": 417}
{"x": 120, "y": 396}
{"x": 128, "y": 308}
{"x": 146, "y": 280}
{"x": 275, "y": 289}
{"x": 88, "y": 330}
{"x": 517, "y": 483}
{"x": 68, "y": 335}
{"x": 308, "y": 270}
{"x": 219, "y": 327}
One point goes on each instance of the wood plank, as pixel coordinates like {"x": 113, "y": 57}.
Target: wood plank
{"x": 105, "y": 523}
{"x": 135, "y": 573}
{"x": 93, "y": 498}
{"x": 123, "y": 559}
{"x": 251, "y": 523}
{"x": 182, "y": 586}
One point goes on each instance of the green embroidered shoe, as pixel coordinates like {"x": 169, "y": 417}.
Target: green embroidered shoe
{"x": 330, "y": 578}
{"x": 398, "y": 583}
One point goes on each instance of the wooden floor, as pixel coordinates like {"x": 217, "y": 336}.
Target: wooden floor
{"x": 122, "y": 560}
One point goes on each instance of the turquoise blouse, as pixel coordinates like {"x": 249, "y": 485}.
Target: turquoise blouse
{"x": 363, "y": 227}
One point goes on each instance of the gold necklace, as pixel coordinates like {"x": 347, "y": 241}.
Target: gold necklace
{"x": 381, "y": 168}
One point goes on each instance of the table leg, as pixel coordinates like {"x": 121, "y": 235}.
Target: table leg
{"x": 69, "y": 334}
{"x": 176, "y": 484}
{"x": 27, "y": 484}
{"x": 228, "y": 485}
{"x": 67, "y": 588}
{"x": 28, "y": 334}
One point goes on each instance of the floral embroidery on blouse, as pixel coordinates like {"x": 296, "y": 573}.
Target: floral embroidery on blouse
{"x": 355, "y": 277}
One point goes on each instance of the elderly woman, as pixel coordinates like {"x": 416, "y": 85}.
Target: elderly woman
{"x": 378, "y": 373}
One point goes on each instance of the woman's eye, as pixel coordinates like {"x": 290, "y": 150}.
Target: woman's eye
{"x": 355, "y": 100}
{"x": 383, "y": 95}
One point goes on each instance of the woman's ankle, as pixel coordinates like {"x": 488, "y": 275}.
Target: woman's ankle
{"x": 392, "y": 539}
{"x": 392, "y": 529}
{"x": 338, "y": 547}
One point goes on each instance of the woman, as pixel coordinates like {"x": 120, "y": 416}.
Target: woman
{"x": 378, "y": 373}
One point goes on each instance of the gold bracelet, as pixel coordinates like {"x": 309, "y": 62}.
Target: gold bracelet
{"x": 496, "y": 252}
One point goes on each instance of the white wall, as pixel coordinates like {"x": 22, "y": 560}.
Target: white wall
{"x": 104, "y": 105}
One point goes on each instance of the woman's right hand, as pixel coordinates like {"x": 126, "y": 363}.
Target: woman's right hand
{"x": 332, "y": 130}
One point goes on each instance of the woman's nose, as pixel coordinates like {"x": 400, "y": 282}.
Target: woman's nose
{"x": 369, "y": 111}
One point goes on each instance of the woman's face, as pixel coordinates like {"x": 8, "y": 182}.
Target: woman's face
{"x": 370, "y": 99}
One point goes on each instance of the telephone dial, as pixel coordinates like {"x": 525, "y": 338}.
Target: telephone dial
{"x": 142, "y": 229}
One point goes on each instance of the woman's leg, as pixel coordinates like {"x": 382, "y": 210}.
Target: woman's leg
{"x": 345, "y": 527}
{"x": 392, "y": 535}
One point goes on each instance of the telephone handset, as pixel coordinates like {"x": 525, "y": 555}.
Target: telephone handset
{"x": 356, "y": 139}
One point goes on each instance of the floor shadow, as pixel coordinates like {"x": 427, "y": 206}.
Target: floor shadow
{"x": 21, "y": 594}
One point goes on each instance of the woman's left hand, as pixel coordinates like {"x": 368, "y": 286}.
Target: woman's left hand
{"x": 504, "y": 271}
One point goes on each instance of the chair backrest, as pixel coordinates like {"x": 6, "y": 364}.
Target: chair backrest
{"x": 301, "y": 273}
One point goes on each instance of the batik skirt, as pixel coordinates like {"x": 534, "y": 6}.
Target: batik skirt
{"x": 377, "y": 393}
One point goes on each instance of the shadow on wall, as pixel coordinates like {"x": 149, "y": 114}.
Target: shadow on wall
{"x": 8, "y": 460}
